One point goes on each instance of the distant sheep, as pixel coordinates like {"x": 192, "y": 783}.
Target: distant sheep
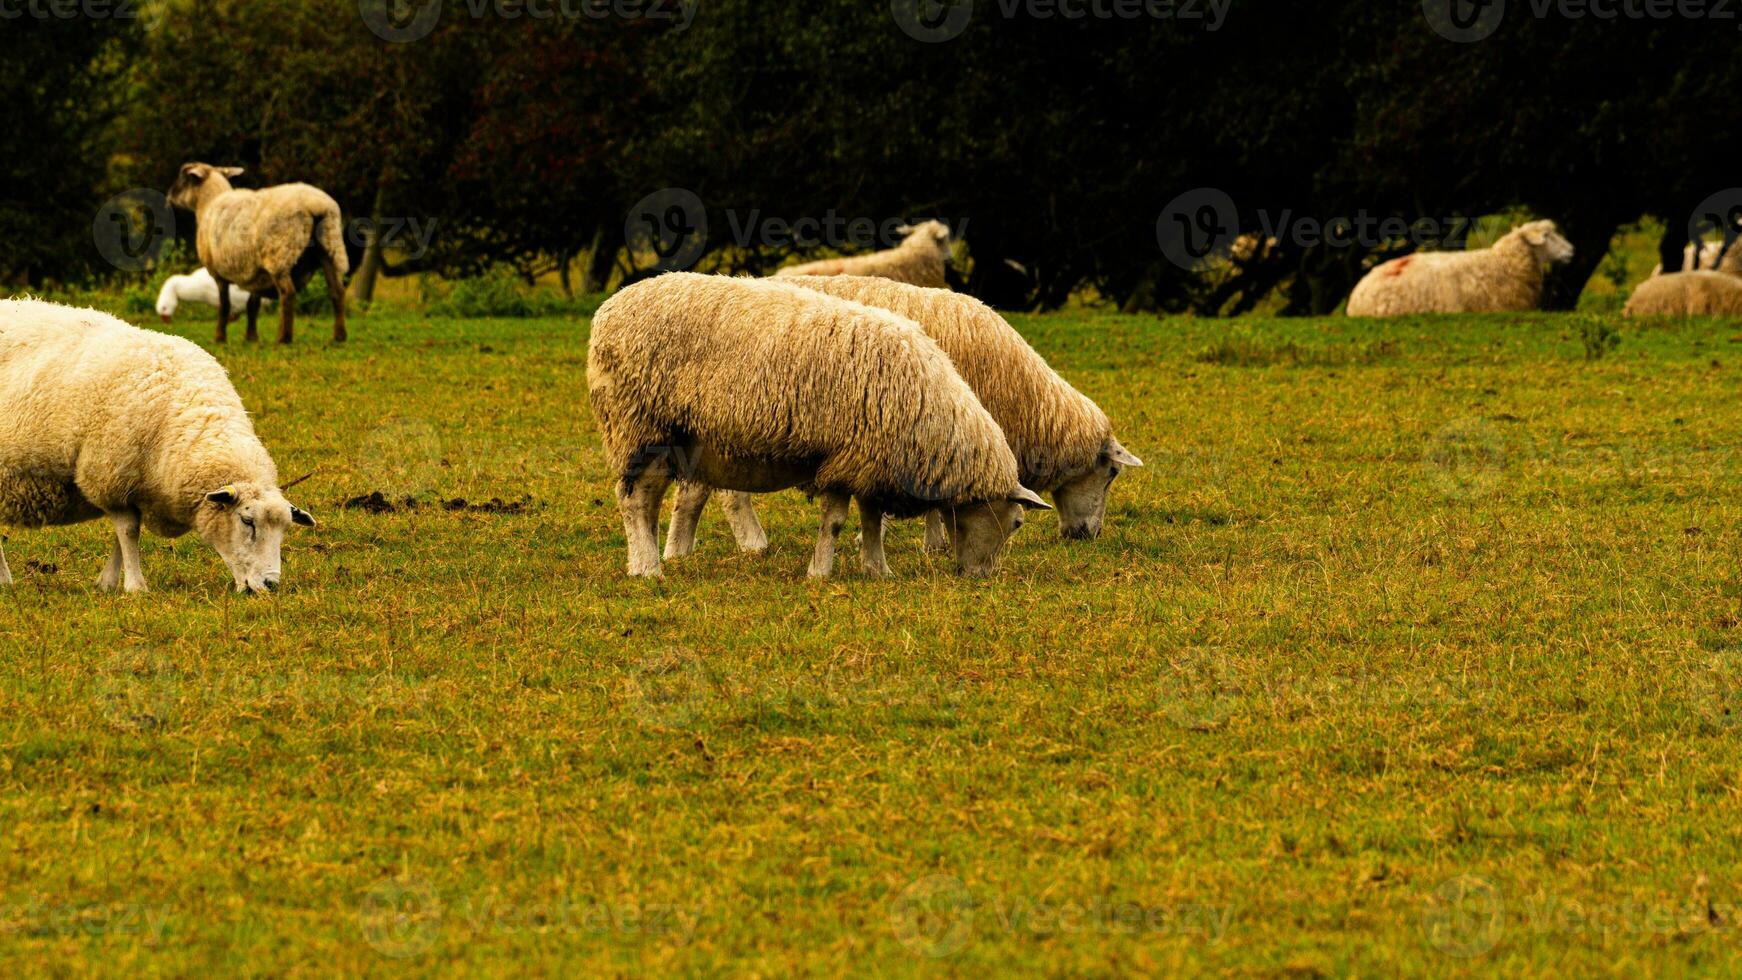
{"x": 920, "y": 260}
{"x": 195, "y": 287}
{"x": 266, "y": 240}
{"x": 1502, "y": 279}
{"x": 759, "y": 385}
{"x": 1702, "y": 293}
{"x": 1708, "y": 257}
{"x": 100, "y": 419}
{"x": 1063, "y": 442}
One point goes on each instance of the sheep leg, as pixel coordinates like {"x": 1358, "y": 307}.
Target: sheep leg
{"x": 5, "y": 573}
{"x": 335, "y": 289}
{"x": 871, "y": 532}
{"x": 253, "y": 318}
{"x": 110, "y": 580}
{"x": 835, "y": 507}
{"x": 741, "y": 514}
{"x": 937, "y": 536}
{"x": 686, "y": 514}
{"x": 286, "y": 308}
{"x": 639, "y": 496}
{"x": 127, "y": 540}
{"x": 223, "y": 309}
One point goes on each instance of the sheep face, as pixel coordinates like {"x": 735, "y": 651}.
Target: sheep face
{"x": 1082, "y": 500}
{"x": 1546, "y": 243}
{"x": 185, "y": 192}
{"x": 979, "y": 532}
{"x": 245, "y": 523}
{"x": 933, "y": 233}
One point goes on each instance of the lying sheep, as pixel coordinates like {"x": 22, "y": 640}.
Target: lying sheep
{"x": 920, "y": 259}
{"x": 758, "y": 385}
{"x": 100, "y": 419}
{"x": 1504, "y": 278}
{"x": 1702, "y": 293}
{"x": 1063, "y": 442}
{"x": 1712, "y": 256}
{"x": 266, "y": 240}
{"x": 195, "y": 287}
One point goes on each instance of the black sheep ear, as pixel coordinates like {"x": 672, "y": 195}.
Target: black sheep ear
{"x": 302, "y": 517}
{"x": 224, "y": 496}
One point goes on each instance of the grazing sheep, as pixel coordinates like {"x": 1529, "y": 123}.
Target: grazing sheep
{"x": 1708, "y": 258}
{"x": 1702, "y": 293}
{"x": 1063, "y": 442}
{"x": 195, "y": 287}
{"x": 101, "y": 419}
{"x": 758, "y": 385}
{"x": 266, "y": 240}
{"x": 1501, "y": 279}
{"x": 920, "y": 259}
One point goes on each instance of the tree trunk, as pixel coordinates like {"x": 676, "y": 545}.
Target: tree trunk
{"x": 1591, "y": 238}
{"x": 1673, "y": 243}
{"x": 590, "y": 283}
{"x": 370, "y": 270}
{"x": 603, "y": 259}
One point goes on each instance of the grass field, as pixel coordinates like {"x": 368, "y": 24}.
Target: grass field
{"x": 1416, "y": 647}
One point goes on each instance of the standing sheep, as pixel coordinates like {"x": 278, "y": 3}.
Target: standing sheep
{"x": 272, "y": 239}
{"x": 195, "y": 287}
{"x": 758, "y": 386}
{"x": 1703, "y": 293}
{"x": 1063, "y": 442}
{"x": 920, "y": 259}
{"x": 1502, "y": 279}
{"x": 100, "y": 419}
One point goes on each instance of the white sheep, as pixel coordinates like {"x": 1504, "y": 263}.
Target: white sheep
{"x": 1504, "y": 278}
{"x": 920, "y": 259}
{"x": 1700, "y": 293}
{"x": 269, "y": 240}
{"x": 197, "y": 286}
{"x": 759, "y": 385}
{"x": 1063, "y": 442}
{"x": 1708, "y": 258}
{"x": 101, "y": 419}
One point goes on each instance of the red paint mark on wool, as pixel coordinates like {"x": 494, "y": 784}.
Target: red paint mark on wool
{"x": 1395, "y": 268}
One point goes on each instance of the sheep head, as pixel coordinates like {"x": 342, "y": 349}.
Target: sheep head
{"x": 980, "y": 530}
{"x": 198, "y": 180}
{"x": 935, "y": 234}
{"x": 245, "y": 524}
{"x": 1545, "y": 242}
{"x": 1082, "y": 499}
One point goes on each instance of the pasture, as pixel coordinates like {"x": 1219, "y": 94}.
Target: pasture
{"x": 1416, "y": 646}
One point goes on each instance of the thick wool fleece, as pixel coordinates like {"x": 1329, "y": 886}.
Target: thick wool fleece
{"x": 1504, "y": 278}
{"x": 766, "y": 370}
{"x": 100, "y": 417}
{"x": 251, "y": 238}
{"x": 1056, "y": 432}
{"x": 1703, "y": 293}
{"x": 1709, "y": 262}
{"x": 919, "y": 260}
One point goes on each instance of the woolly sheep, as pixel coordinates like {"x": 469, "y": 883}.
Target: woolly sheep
{"x": 272, "y": 239}
{"x": 195, "y": 287}
{"x": 758, "y": 385}
{"x": 1063, "y": 442}
{"x": 920, "y": 259}
{"x": 100, "y": 419}
{"x": 1702, "y": 293}
{"x": 1708, "y": 259}
{"x": 1504, "y": 278}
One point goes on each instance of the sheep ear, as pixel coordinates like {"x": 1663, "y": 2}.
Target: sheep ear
{"x": 231, "y": 171}
{"x": 904, "y": 229}
{"x": 224, "y": 496}
{"x": 1121, "y": 456}
{"x": 301, "y": 517}
{"x": 1029, "y": 499}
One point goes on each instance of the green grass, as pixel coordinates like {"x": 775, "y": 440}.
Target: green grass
{"x": 1416, "y": 647}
